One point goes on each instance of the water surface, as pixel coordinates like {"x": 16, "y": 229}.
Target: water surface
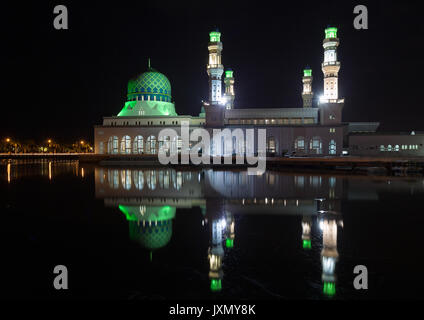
{"x": 160, "y": 233}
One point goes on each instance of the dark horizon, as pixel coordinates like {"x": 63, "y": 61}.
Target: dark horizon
{"x": 59, "y": 84}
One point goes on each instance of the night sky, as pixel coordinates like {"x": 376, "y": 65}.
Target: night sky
{"x": 60, "y": 84}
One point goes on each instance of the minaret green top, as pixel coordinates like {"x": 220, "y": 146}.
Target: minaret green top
{"x": 331, "y": 32}
{"x": 229, "y": 74}
{"x": 307, "y": 72}
{"x": 215, "y": 36}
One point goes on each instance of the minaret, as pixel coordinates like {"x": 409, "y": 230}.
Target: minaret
{"x": 229, "y": 89}
{"x": 330, "y": 66}
{"x": 215, "y": 68}
{"x": 329, "y": 254}
{"x": 216, "y": 254}
{"x": 230, "y": 232}
{"x": 307, "y": 94}
{"x": 306, "y": 232}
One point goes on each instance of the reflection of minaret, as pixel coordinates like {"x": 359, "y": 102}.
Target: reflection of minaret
{"x": 230, "y": 232}
{"x": 216, "y": 254}
{"x": 306, "y": 232}
{"x": 329, "y": 254}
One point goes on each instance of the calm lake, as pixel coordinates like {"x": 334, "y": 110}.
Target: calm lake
{"x": 162, "y": 233}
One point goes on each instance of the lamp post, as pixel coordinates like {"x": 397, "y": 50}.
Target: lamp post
{"x": 8, "y": 142}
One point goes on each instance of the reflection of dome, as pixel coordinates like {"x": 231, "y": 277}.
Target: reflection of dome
{"x": 153, "y": 235}
{"x": 150, "y": 84}
{"x": 151, "y": 226}
{"x": 149, "y": 95}
{"x": 148, "y": 213}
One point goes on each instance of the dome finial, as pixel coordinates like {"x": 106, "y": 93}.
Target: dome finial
{"x": 148, "y": 62}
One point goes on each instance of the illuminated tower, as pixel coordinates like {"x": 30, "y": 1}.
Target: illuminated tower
{"x": 230, "y": 232}
{"x": 330, "y": 66}
{"x": 307, "y": 94}
{"x": 229, "y": 89}
{"x": 306, "y": 232}
{"x": 329, "y": 253}
{"x": 215, "y": 68}
{"x": 216, "y": 254}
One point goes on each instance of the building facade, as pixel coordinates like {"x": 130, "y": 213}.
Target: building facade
{"x": 310, "y": 130}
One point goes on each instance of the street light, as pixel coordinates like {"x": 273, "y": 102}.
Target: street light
{"x": 8, "y": 140}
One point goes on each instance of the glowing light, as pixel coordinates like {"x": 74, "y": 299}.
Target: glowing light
{"x": 229, "y": 74}
{"x": 331, "y": 33}
{"x": 216, "y": 285}
{"x": 307, "y": 244}
{"x": 49, "y": 141}
{"x": 329, "y": 289}
{"x": 229, "y": 243}
{"x": 82, "y": 142}
{"x": 7, "y": 139}
{"x": 8, "y": 172}
{"x": 321, "y": 225}
{"x": 82, "y": 172}
{"x": 215, "y": 36}
{"x": 50, "y": 170}
{"x": 307, "y": 73}
{"x": 223, "y": 100}
{"x": 222, "y": 224}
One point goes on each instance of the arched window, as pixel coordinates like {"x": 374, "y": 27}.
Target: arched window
{"x": 126, "y": 179}
{"x": 138, "y": 147}
{"x": 332, "y": 148}
{"x": 164, "y": 144}
{"x": 315, "y": 145}
{"x": 151, "y": 179}
{"x": 113, "y": 178}
{"x": 138, "y": 178}
{"x": 397, "y": 147}
{"x": 179, "y": 144}
{"x": 112, "y": 145}
{"x": 177, "y": 179}
{"x": 299, "y": 144}
{"x": 389, "y": 147}
{"x": 270, "y": 145}
{"x": 126, "y": 145}
{"x": 166, "y": 179}
{"x": 151, "y": 145}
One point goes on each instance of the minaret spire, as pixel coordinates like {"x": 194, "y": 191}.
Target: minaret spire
{"x": 229, "y": 95}
{"x": 307, "y": 94}
{"x": 215, "y": 68}
{"x": 148, "y": 63}
{"x": 331, "y": 66}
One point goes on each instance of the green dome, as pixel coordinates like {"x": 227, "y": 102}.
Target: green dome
{"x": 151, "y": 85}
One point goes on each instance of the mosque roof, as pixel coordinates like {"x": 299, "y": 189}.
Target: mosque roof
{"x": 152, "y": 83}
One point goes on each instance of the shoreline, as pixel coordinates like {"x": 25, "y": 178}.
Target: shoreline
{"x": 340, "y": 163}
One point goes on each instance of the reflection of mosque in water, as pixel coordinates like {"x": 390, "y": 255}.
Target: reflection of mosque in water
{"x": 149, "y": 199}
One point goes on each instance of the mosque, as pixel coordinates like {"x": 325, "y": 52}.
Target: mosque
{"x": 314, "y": 129}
